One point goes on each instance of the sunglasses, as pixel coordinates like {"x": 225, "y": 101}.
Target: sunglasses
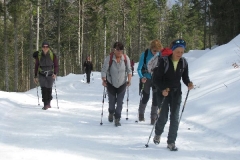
{"x": 155, "y": 51}
{"x": 118, "y": 49}
{"x": 45, "y": 46}
{"x": 180, "y": 41}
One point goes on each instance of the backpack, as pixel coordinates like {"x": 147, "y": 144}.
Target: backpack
{"x": 39, "y": 55}
{"x": 111, "y": 59}
{"x": 166, "y": 66}
{"x": 153, "y": 62}
{"x": 144, "y": 67}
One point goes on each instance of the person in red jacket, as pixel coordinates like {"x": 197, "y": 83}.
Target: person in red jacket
{"x": 132, "y": 66}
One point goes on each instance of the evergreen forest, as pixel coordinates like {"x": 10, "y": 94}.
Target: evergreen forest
{"x": 76, "y": 29}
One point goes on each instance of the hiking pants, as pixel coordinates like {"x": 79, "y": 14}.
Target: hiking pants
{"x": 116, "y": 96}
{"x": 145, "y": 97}
{"x": 88, "y": 73}
{"x": 46, "y": 95}
{"x": 172, "y": 102}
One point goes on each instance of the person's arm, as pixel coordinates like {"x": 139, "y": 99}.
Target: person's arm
{"x": 105, "y": 70}
{"x": 36, "y": 71}
{"x": 185, "y": 76}
{"x": 36, "y": 67}
{"x": 140, "y": 65}
{"x": 159, "y": 76}
{"x": 129, "y": 71}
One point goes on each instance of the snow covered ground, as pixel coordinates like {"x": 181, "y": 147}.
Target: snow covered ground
{"x": 209, "y": 128}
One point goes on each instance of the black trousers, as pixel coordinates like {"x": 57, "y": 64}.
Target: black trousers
{"x": 46, "y": 95}
{"x": 88, "y": 73}
{"x": 171, "y": 103}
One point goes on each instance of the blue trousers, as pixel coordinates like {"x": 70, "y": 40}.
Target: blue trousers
{"x": 116, "y": 96}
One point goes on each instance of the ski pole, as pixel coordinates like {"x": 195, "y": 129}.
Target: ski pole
{"x": 183, "y": 106}
{"x": 92, "y": 78}
{"x": 56, "y": 93}
{"x": 37, "y": 94}
{"x": 127, "y": 101}
{"x": 102, "y": 106}
{"x": 159, "y": 111}
{"x": 141, "y": 93}
{"x": 141, "y": 96}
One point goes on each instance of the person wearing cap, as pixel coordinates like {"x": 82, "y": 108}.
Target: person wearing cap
{"x": 169, "y": 89}
{"x": 146, "y": 81}
{"x": 88, "y": 67}
{"x": 46, "y": 69}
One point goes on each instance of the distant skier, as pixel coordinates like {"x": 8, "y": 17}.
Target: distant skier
{"x": 177, "y": 70}
{"x": 88, "y": 67}
{"x": 132, "y": 66}
{"x": 116, "y": 76}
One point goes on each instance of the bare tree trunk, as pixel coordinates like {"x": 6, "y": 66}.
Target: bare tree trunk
{"x": 123, "y": 22}
{"x": 15, "y": 53}
{"x": 80, "y": 34}
{"x": 205, "y": 23}
{"x": 44, "y": 5}
{"x": 139, "y": 26}
{"x": 23, "y": 71}
{"x": 58, "y": 35}
{"x": 210, "y": 28}
{"x": 37, "y": 40}
{"x": 105, "y": 40}
{"x": 117, "y": 29}
{"x": 82, "y": 26}
{"x": 31, "y": 46}
{"x": 6, "y": 47}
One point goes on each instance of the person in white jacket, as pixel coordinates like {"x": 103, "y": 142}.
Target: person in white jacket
{"x": 116, "y": 77}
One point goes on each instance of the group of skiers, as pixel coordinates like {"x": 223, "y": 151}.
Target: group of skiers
{"x": 166, "y": 85}
{"x": 116, "y": 74}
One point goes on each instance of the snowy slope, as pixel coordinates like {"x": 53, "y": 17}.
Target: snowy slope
{"x": 209, "y": 128}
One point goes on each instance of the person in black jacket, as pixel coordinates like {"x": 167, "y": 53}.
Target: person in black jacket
{"x": 168, "y": 85}
{"x": 88, "y": 67}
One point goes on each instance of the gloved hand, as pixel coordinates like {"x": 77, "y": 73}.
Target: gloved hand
{"x": 35, "y": 54}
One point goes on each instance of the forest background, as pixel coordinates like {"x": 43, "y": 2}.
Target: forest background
{"x": 76, "y": 29}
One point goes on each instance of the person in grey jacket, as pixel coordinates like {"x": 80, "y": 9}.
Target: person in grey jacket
{"x": 116, "y": 77}
{"x": 46, "y": 69}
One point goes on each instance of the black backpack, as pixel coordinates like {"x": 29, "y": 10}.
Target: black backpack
{"x": 144, "y": 67}
{"x": 166, "y": 66}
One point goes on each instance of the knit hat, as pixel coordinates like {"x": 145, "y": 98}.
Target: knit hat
{"x": 178, "y": 43}
{"x": 45, "y": 43}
